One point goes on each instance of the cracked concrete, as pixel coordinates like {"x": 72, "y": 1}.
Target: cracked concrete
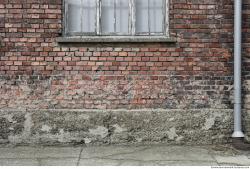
{"x": 105, "y": 127}
{"x": 136, "y": 155}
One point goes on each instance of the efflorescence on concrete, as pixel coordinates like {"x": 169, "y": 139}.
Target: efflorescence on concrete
{"x": 117, "y": 126}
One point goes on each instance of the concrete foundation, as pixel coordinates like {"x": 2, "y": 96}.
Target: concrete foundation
{"x": 197, "y": 126}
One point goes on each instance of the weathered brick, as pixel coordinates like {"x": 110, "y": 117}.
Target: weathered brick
{"x": 196, "y": 72}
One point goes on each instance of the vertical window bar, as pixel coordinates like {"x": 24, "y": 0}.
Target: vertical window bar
{"x": 115, "y": 1}
{"x": 149, "y": 31}
{"x": 129, "y": 18}
{"x": 132, "y": 17}
{"x": 82, "y": 21}
{"x": 98, "y": 16}
{"x": 65, "y": 17}
{"x": 166, "y": 18}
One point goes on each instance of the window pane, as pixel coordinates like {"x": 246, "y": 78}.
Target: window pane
{"x": 156, "y": 16}
{"x": 149, "y": 16}
{"x": 108, "y": 16}
{"x": 74, "y": 15}
{"x": 141, "y": 24}
{"x": 89, "y": 16}
{"x": 122, "y": 16}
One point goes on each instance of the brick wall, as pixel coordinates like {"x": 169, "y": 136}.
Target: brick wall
{"x": 194, "y": 73}
{"x": 246, "y": 67}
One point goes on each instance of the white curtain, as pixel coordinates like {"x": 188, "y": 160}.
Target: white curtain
{"x": 89, "y": 16}
{"x": 122, "y": 16}
{"x": 149, "y": 16}
{"x": 108, "y": 16}
{"x": 74, "y": 15}
{"x": 156, "y": 15}
{"x": 141, "y": 24}
{"x": 81, "y": 15}
{"x": 115, "y": 16}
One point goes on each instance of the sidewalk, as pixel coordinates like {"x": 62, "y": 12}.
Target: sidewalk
{"x": 124, "y": 155}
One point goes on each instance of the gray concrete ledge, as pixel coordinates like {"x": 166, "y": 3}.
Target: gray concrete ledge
{"x": 111, "y": 39}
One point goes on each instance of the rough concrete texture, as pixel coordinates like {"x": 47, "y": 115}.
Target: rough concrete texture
{"x": 206, "y": 126}
{"x": 246, "y": 111}
{"x": 144, "y": 155}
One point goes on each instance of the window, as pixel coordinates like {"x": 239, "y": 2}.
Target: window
{"x": 116, "y": 17}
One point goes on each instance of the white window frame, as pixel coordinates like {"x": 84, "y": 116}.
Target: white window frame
{"x": 132, "y": 20}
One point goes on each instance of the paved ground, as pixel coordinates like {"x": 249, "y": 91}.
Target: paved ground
{"x": 124, "y": 155}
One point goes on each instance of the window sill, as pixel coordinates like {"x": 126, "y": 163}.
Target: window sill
{"x": 111, "y": 39}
